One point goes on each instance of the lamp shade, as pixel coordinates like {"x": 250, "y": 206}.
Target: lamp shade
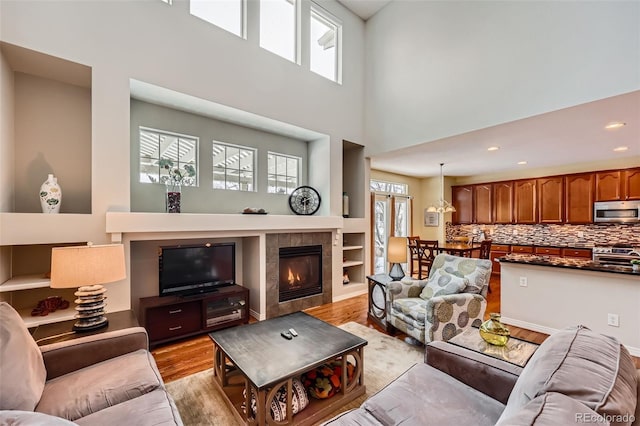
{"x": 397, "y": 250}
{"x": 78, "y": 266}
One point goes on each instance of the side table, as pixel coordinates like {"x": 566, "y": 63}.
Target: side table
{"x": 516, "y": 351}
{"x": 62, "y": 331}
{"x": 377, "y": 312}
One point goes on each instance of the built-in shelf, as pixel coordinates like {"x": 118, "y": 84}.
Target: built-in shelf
{"x": 348, "y": 263}
{"x": 351, "y": 248}
{"x": 41, "y": 228}
{"x": 57, "y": 316}
{"x": 25, "y": 282}
{"x": 353, "y": 284}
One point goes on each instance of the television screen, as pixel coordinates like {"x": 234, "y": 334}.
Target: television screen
{"x": 196, "y": 269}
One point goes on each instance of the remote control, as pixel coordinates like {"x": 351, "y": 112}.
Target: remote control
{"x": 293, "y": 332}
{"x": 286, "y": 335}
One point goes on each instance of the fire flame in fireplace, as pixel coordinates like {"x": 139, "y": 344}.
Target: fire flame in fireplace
{"x": 292, "y": 278}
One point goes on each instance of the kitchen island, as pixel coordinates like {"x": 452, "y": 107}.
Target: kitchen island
{"x": 546, "y": 294}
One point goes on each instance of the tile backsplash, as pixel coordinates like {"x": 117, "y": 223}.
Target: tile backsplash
{"x": 552, "y": 235}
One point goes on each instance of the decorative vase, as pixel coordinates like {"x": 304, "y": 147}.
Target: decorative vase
{"x": 493, "y": 331}
{"x": 50, "y": 195}
{"x": 173, "y": 197}
{"x": 345, "y": 205}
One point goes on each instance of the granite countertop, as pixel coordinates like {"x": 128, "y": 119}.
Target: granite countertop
{"x": 587, "y": 246}
{"x": 560, "y": 262}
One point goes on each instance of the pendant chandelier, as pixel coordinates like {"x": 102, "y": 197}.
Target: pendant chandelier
{"x": 443, "y": 206}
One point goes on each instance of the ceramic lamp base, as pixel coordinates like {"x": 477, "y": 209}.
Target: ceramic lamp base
{"x": 396, "y": 273}
{"x": 90, "y": 306}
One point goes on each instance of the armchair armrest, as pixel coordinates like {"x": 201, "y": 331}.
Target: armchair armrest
{"x": 447, "y": 315}
{"x": 71, "y": 355}
{"x": 491, "y": 376}
{"x": 405, "y": 288}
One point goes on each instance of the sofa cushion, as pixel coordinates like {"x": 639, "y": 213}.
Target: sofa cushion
{"x": 552, "y": 409}
{"x": 441, "y": 283}
{"x": 101, "y": 385}
{"x": 424, "y": 395}
{"x": 355, "y": 417}
{"x": 22, "y": 369}
{"x": 591, "y": 368}
{"x": 154, "y": 408}
{"x": 30, "y": 418}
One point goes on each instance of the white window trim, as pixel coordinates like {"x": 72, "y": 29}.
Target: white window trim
{"x": 255, "y": 165}
{"x": 299, "y": 163}
{"x": 178, "y": 135}
{"x": 330, "y": 19}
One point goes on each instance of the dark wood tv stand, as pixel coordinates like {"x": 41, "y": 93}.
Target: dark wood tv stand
{"x": 170, "y": 318}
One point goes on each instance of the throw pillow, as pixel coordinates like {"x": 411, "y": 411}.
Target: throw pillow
{"x": 441, "y": 283}
{"x": 22, "y": 371}
{"x": 325, "y": 381}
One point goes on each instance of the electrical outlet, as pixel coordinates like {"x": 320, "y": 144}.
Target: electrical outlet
{"x": 523, "y": 282}
{"x": 580, "y": 234}
{"x": 515, "y": 232}
{"x": 613, "y": 320}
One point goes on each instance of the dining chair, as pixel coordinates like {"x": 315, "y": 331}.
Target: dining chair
{"x": 414, "y": 254}
{"x": 485, "y": 253}
{"x": 427, "y": 250}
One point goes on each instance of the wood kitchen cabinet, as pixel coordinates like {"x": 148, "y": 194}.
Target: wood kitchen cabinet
{"x": 462, "y": 200}
{"x": 631, "y": 184}
{"x": 550, "y": 199}
{"x": 525, "y": 202}
{"x": 609, "y": 185}
{"x": 498, "y": 251}
{"x": 579, "y": 197}
{"x": 483, "y": 203}
{"x": 503, "y": 202}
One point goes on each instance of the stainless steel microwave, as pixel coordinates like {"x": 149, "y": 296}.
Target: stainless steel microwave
{"x": 616, "y": 211}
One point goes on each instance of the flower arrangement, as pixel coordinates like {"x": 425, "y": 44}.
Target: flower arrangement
{"x": 177, "y": 176}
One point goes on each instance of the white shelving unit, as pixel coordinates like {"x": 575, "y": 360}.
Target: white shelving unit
{"x": 25, "y": 282}
{"x": 353, "y": 257}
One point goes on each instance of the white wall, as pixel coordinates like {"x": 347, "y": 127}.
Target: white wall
{"x": 440, "y": 68}
{"x": 164, "y": 45}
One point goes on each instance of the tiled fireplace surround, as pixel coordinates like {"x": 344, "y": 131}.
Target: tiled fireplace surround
{"x": 274, "y": 242}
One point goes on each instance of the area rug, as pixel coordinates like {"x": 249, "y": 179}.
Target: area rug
{"x": 385, "y": 358}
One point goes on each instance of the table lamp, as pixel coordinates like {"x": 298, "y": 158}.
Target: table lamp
{"x": 88, "y": 267}
{"x": 397, "y": 254}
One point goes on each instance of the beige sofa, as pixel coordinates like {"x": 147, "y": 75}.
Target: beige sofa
{"x": 575, "y": 377}
{"x": 104, "y": 379}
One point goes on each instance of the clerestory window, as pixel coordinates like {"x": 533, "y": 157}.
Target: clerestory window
{"x": 234, "y": 167}
{"x": 162, "y": 152}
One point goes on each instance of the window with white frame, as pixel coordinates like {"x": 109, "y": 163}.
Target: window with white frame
{"x": 325, "y": 44}
{"x": 278, "y": 27}
{"x": 226, "y": 14}
{"x": 389, "y": 187}
{"x": 162, "y": 153}
{"x": 234, "y": 167}
{"x": 283, "y": 173}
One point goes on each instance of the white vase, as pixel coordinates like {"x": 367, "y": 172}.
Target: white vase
{"x": 50, "y": 195}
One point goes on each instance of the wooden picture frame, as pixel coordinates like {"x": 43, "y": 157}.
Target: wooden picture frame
{"x": 431, "y": 218}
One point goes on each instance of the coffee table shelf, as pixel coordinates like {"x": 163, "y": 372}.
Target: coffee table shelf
{"x": 273, "y": 362}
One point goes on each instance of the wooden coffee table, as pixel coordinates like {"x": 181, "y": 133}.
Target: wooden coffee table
{"x": 255, "y": 356}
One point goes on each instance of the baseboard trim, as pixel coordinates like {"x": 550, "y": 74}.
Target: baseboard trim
{"x": 257, "y": 315}
{"x": 548, "y": 330}
{"x": 349, "y": 295}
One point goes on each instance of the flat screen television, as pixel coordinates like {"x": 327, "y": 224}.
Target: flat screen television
{"x": 194, "y": 269}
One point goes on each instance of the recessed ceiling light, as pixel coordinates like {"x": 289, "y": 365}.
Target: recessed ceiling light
{"x": 615, "y": 125}
{"x": 522, "y": 163}
{"x": 621, "y": 148}
{"x": 493, "y": 148}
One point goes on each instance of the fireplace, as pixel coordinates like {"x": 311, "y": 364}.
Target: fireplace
{"x": 300, "y": 272}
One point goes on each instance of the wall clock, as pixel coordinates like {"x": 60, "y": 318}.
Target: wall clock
{"x": 304, "y": 200}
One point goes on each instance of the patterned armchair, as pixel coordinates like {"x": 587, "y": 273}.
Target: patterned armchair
{"x": 452, "y": 299}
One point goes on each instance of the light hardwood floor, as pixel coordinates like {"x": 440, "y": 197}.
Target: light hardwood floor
{"x": 190, "y": 356}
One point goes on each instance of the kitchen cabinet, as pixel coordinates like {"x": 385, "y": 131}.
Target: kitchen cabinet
{"x": 502, "y": 202}
{"x": 550, "y": 199}
{"x": 482, "y": 203}
{"x": 498, "y": 251}
{"x": 609, "y": 185}
{"x": 462, "y": 200}
{"x": 576, "y": 253}
{"x": 631, "y": 184}
{"x": 548, "y": 251}
{"x": 579, "y": 197}
{"x": 525, "y": 203}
